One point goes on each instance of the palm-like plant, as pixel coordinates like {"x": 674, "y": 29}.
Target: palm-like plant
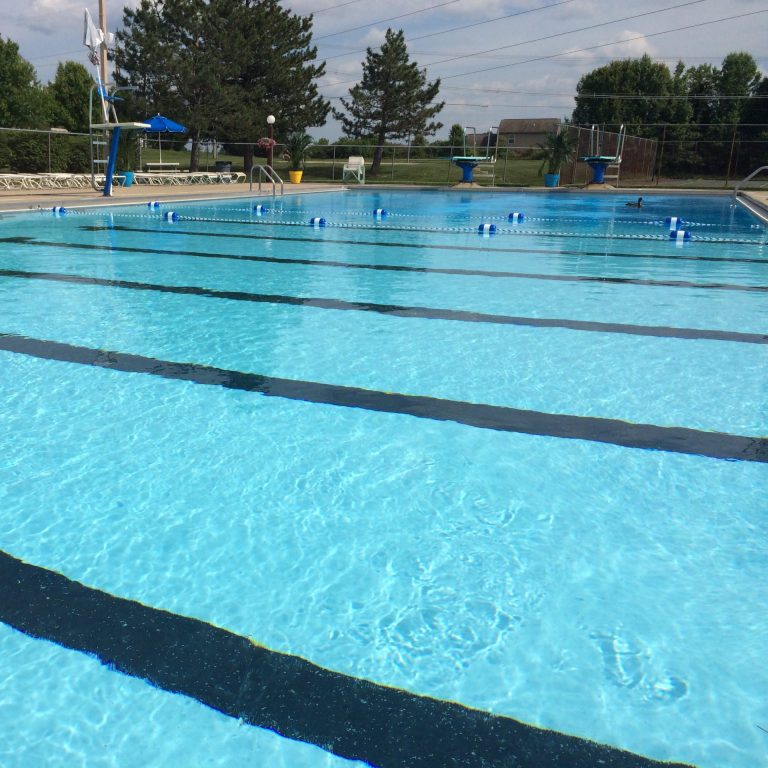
{"x": 296, "y": 149}
{"x": 558, "y": 147}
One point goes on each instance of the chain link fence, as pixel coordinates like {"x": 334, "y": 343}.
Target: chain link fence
{"x": 670, "y": 161}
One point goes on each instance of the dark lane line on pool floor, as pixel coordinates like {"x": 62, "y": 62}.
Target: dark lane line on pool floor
{"x": 398, "y": 268}
{"x": 394, "y": 310}
{"x": 431, "y": 246}
{"x": 718, "y": 445}
{"x": 347, "y": 716}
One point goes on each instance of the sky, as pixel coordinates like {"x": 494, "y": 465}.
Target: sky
{"x": 496, "y": 59}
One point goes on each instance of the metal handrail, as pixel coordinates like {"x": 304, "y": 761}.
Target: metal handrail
{"x": 271, "y": 174}
{"x": 748, "y": 178}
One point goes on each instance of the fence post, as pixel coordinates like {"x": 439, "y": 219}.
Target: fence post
{"x": 730, "y": 156}
{"x": 333, "y": 164}
{"x": 392, "y": 173}
{"x": 661, "y": 154}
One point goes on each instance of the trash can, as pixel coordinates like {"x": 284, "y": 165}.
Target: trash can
{"x": 223, "y": 167}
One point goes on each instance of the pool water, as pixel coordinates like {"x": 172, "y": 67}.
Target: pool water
{"x": 609, "y": 588}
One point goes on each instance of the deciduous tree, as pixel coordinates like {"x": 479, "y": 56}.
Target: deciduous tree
{"x": 23, "y": 102}
{"x": 70, "y": 92}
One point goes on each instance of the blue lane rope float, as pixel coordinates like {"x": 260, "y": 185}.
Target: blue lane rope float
{"x": 673, "y": 222}
{"x": 516, "y": 217}
{"x": 59, "y": 210}
{"x": 153, "y": 204}
{"x": 316, "y": 222}
{"x": 380, "y": 213}
{"x": 487, "y": 229}
{"x": 260, "y": 209}
{"x": 464, "y": 229}
{"x": 679, "y": 235}
{"x": 171, "y": 216}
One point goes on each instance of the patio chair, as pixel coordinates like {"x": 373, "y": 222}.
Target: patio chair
{"x": 354, "y": 168}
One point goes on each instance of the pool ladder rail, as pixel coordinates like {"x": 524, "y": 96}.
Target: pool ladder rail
{"x": 268, "y": 173}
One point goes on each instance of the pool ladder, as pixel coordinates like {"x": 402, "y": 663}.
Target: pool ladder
{"x": 268, "y": 173}
{"x": 746, "y": 179}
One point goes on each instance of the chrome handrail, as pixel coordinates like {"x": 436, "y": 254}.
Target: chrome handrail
{"x": 271, "y": 174}
{"x": 748, "y": 178}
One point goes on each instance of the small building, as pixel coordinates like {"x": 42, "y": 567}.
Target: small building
{"x": 523, "y": 133}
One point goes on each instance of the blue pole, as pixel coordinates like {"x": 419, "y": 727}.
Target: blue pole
{"x": 112, "y": 160}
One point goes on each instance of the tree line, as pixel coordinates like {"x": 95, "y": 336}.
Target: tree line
{"x": 702, "y": 111}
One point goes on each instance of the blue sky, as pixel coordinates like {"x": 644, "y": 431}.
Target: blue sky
{"x": 498, "y": 68}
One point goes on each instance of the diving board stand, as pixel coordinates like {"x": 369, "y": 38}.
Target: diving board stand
{"x": 600, "y": 163}
{"x": 116, "y": 128}
{"x": 468, "y": 162}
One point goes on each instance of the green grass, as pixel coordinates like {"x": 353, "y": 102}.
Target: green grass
{"x": 427, "y": 172}
{"x": 423, "y": 172}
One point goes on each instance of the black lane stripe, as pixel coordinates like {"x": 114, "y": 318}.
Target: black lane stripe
{"x": 432, "y": 246}
{"x": 347, "y": 716}
{"x": 424, "y": 313}
{"x": 400, "y": 268}
{"x": 696, "y": 442}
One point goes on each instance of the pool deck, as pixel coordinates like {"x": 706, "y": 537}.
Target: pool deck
{"x": 32, "y": 199}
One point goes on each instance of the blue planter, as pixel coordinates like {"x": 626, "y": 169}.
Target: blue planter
{"x": 551, "y": 179}
{"x": 130, "y": 177}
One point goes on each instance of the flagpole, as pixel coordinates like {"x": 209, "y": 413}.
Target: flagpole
{"x": 103, "y": 56}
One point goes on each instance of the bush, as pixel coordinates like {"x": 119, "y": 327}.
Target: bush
{"x": 33, "y": 153}
{"x": 5, "y": 152}
{"x": 127, "y": 151}
{"x": 79, "y": 156}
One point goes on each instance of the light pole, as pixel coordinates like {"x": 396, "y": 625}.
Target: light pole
{"x": 271, "y": 124}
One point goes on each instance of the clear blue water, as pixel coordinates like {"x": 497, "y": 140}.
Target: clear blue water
{"x": 613, "y": 593}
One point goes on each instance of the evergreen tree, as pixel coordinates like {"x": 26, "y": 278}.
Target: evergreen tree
{"x": 280, "y": 79}
{"x": 220, "y": 66}
{"x": 392, "y": 101}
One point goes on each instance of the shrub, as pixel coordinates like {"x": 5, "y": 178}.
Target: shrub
{"x": 33, "y": 153}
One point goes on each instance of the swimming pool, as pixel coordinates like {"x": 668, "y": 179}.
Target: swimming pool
{"x": 524, "y": 472}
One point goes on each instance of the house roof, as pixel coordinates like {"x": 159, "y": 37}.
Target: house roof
{"x": 538, "y": 125}
{"x": 477, "y": 139}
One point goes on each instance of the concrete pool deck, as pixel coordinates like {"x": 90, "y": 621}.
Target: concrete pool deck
{"x": 32, "y": 199}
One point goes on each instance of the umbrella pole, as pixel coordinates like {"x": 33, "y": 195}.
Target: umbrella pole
{"x": 160, "y": 146}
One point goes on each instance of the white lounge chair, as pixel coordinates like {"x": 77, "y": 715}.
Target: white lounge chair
{"x": 354, "y": 168}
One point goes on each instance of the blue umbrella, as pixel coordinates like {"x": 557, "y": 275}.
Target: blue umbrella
{"x": 161, "y": 124}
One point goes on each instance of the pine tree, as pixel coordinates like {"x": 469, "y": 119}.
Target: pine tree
{"x": 220, "y": 66}
{"x": 280, "y": 79}
{"x": 392, "y": 101}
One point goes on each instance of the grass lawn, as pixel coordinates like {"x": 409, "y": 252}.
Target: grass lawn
{"x": 417, "y": 171}
{"x": 512, "y": 171}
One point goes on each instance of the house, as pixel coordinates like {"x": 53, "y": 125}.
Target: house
{"x": 526, "y": 133}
